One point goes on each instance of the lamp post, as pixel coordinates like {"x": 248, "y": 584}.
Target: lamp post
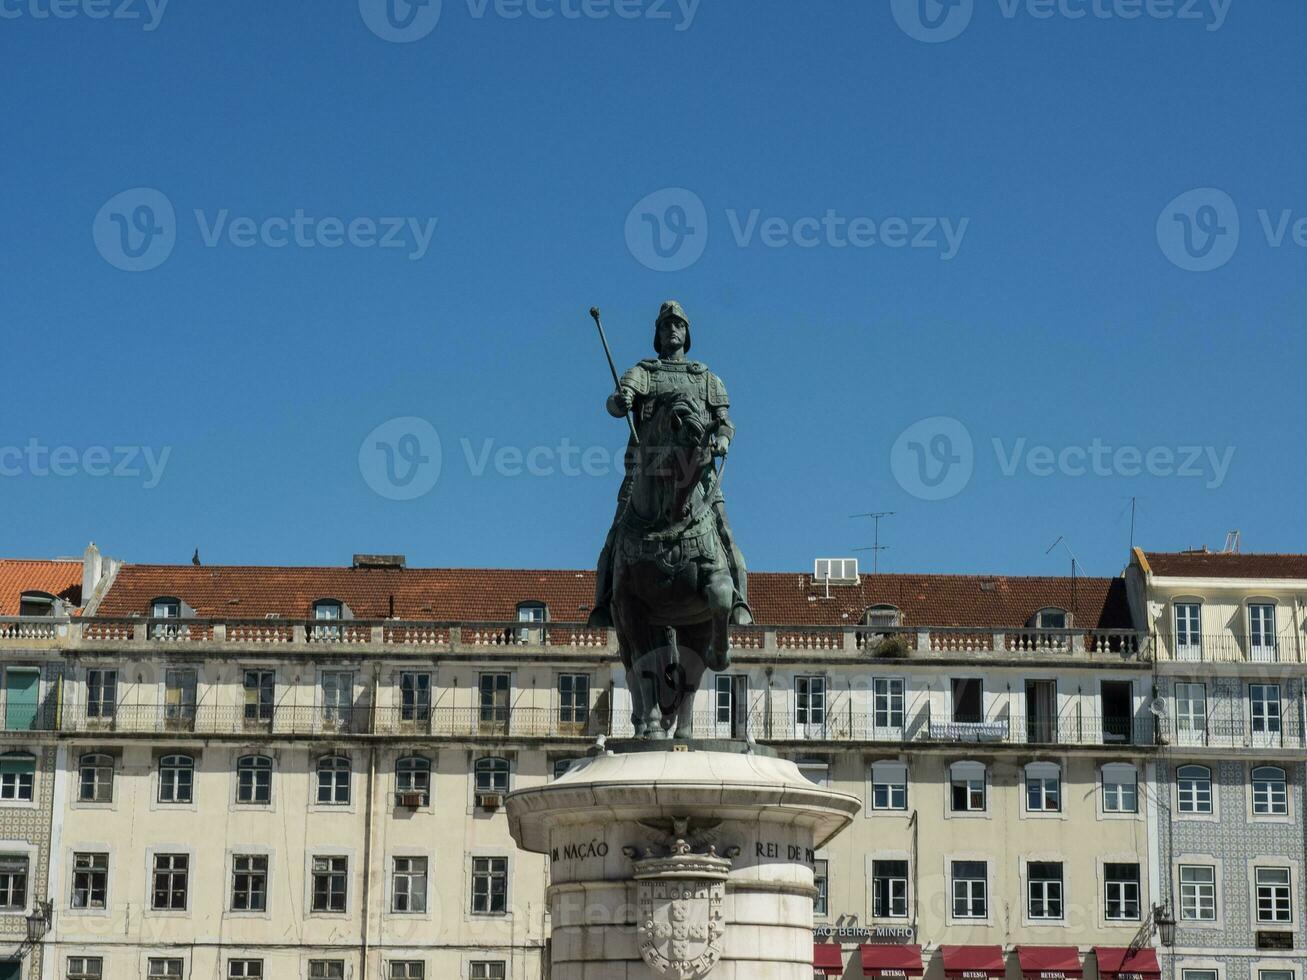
{"x": 1165, "y": 922}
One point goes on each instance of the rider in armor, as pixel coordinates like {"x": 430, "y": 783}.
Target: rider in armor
{"x": 637, "y": 392}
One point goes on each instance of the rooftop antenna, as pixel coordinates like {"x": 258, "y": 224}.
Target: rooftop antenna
{"x": 1061, "y": 540}
{"x": 876, "y": 547}
{"x": 1231, "y": 543}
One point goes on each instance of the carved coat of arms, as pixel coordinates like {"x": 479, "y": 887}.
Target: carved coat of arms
{"x": 681, "y": 896}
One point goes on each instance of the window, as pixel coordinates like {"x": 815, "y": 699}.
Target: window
{"x": 491, "y": 775}
{"x": 723, "y": 691}
{"x": 170, "y": 969}
{"x": 245, "y": 969}
{"x": 413, "y": 780}
{"x": 101, "y": 693}
{"x": 95, "y": 778}
{"x": 326, "y": 970}
{"x": 330, "y": 881}
{"x": 176, "y": 779}
{"x": 820, "y": 881}
{"x": 1261, "y": 630}
{"x": 1191, "y": 712}
{"x": 1194, "y": 787}
{"x": 1264, "y": 711}
{"x": 337, "y": 697}
{"x": 886, "y": 617}
{"x": 260, "y": 691}
{"x": 37, "y": 604}
{"x": 968, "y": 700}
{"x": 1121, "y": 886}
{"x": 887, "y": 704}
{"x": 166, "y": 608}
{"x": 407, "y": 970}
{"x": 968, "y": 787}
{"x": 815, "y": 771}
{"x": 889, "y": 786}
{"x": 85, "y": 968}
{"x": 1270, "y": 791}
{"x": 1043, "y": 787}
{"x": 13, "y": 882}
{"x": 1273, "y": 895}
{"x": 249, "y": 883}
{"x": 171, "y": 873}
{"x": 561, "y": 766}
{"x": 1051, "y": 619}
{"x": 327, "y": 611}
{"x": 90, "y": 880}
{"x": 1044, "y": 889}
{"x": 414, "y": 696}
{"x": 969, "y": 890}
{"x": 333, "y": 780}
{"x": 490, "y": 885}
{"x": 573, "y": 699}
{"x": 409, "y": 885}
{"x": 179, "y": 696}
{"x": 254, "y": 779}
{"x": 487, "y": 970}
{"x": 494, "y": 699}
{"x": 17, "y": 776}
{"x": 1197, "y": 892}
{"x": 531, "y": 612}
{"x": 1199, "y": 975}
{"x": 1120, "y": 788}
{"x": 1188, "y": 629}
{"x": 889, "y": 889}
{"x": 810, "y": 700}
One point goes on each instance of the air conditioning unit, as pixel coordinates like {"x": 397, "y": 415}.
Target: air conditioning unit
{"x": 489, "y": 801}
{"x": 835, "y": 571}
{"x": 410, "y": 801}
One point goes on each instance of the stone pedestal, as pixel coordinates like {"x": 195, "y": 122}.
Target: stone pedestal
{"x": 685, "y": 863}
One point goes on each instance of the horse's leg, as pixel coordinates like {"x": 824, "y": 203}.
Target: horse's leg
{"x": 691, "y": 643}
{"x": 719, "y": 592}
{"x": 630, "y": 650}
{"x": 647, "y": 663}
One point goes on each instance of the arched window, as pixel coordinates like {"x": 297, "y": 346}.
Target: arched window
{"x": 333, "y": 780}
{"x": 412, "y": 781}
{"x": 176, "y": 779}
{"x": 1270, "y": 791}
{"x": 95, "y": 778}
{"x": 37, "y": 604}
{"x": 1194, "y": 787}
{"x": 1120, "y": 788}
{"x": 1051, "y": 618}
{"x": 968, "y": 787}
{"x": 491, "y": 775}
{"x": 1043, "y": 787}
{"x": 536, "y": 613}
{"x": 883, "y": 615}
{"x": 254, "y": 779}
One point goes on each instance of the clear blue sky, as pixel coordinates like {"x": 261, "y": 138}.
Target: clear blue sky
{"x": 261, "y": 370}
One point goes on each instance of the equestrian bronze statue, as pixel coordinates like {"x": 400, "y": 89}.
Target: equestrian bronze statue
{"x": 671, "y": 579}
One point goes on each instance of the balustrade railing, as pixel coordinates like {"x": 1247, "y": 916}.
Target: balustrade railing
{"x": 1229, "y": 647}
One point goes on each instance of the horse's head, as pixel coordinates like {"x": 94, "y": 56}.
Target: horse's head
{"x": 675, "y": 451}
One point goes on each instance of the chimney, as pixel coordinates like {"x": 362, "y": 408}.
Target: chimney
{"x": 378, "y": 561}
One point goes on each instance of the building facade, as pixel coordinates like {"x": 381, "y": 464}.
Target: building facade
{"x": 248, "y": 772}
{"x": 1230, "y": 654}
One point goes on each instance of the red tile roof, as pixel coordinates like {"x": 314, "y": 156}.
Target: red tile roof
{"x": 452, "y": 594}
{"x": 62, "y": 579}
{"x": 1209, "y": 564}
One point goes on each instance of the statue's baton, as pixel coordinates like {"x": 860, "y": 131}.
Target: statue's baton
{"x": 594, "y": 312}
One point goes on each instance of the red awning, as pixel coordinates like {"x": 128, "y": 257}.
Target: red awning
{"x": 828, "y": 958}
{"x": 1050, "y": 962}
{"x": 973, "y": 962}
{"x": 891, "y": 960}
{"x": 1112, "y": 963}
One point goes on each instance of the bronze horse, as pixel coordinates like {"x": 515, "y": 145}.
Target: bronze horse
{"x": 672, "y": 588}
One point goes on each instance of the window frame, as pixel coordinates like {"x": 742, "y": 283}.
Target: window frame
{"x": 170, "y": 867}
{"x": 1198, "y": 890}
{"x": 252, "y": 876}
{"x": 886, "y": 898}
{"x": 170, "y": 777}
{"x": 1195, "y": 793}
{"x": 1117, "y": 770}
{"x": 1046, "y": 892}
{"x": 1042, "y": 783}
{"x": 93, "y": 868}
{"x": 413, "y": 775}
{"x": 1274, "y": 896}
{"x": 489, "y": 870}
{"x": 960, "y": 780}
{"x": 891, "y": 789}
{"x": 415, "y": 898}
{"x": 971, "y": 885}
{"x": 255, "y": 765}
{"x": 329, "y": 870}
{"x": 1276, "y": 804}
{"x": 1122, "y": 886}
{"x": 96, "y": 763}
{"x": 329, "y": 765}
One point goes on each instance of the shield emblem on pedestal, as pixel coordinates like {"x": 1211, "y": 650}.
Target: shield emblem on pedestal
{"x": 681, "y": 925}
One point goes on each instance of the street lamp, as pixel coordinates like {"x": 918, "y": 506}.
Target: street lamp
{"x": 38, "y": 923}
{"x": 1165, "y": 922}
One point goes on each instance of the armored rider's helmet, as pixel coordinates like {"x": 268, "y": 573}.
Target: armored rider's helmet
{"x": 672, "y": 309}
